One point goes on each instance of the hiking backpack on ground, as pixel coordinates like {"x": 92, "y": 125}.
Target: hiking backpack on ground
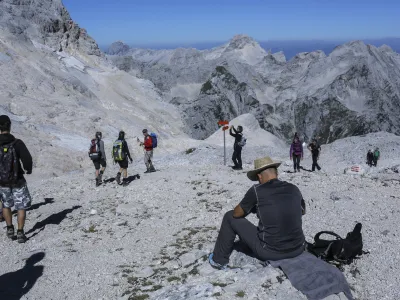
{"x": 153, "y": 139}
{"x": 117, "y": 153}
{"x": 242, "y": 142}
{"x": 94, "y": 150}
{"x": 339, "y": 250}
{"x": 8, "y": 164}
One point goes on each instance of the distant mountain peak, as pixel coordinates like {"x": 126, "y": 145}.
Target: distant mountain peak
{"x": 239, "y": 41}
{"x": 118, "y": 48}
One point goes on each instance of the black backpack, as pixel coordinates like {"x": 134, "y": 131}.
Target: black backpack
{"x": 339, "y": 250}
{"x": 8, "y": 164}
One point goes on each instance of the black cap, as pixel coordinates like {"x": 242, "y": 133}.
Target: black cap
{"x": 4, "y": 120}
{"x": 144, "y": 130}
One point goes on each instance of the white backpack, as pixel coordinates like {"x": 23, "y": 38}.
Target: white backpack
{"x": 242, "y": 142}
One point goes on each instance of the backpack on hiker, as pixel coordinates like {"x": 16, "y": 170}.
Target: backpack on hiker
{"x": 94, "y": 150}
{"x": 8, "y": 164}
{"x": 242, "y": 142}
{"x": 338, "y": 250}
{"x": 117, "y": 153}
{"x": 153, "y": 140}
{"x": 376, "y": 154}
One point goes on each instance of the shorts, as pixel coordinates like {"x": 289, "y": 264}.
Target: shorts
{"x": 16, "y": 196}
{"x": 123, "y": 164}
{"x": 101, "y": 162}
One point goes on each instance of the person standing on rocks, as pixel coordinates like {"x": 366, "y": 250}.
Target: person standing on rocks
{"x": 98, "y": 156}
{"x": 121, "y": 155}
{"x": 237, "y": 148}
{"x": 13, "y": 187}
{"x": 296, "y": 153}
{"x": 370, "y": 158}
{"x": 377, "y": 155}
{"x": 279, "y": 205}
{"x": 148, "y": 146}
{"x": 315, "y": 149}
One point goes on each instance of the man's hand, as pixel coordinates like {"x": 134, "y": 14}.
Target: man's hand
{"x": 238, "y": 212}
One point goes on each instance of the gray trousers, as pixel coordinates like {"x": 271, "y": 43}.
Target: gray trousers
{"x": 247, "y": 232}
{"x": 148, "y": 157}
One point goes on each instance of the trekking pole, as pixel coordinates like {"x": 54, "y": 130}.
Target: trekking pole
{"x": 224, "y": 149}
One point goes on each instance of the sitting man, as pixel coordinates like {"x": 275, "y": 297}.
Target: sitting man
{"x": 279, "y": 206}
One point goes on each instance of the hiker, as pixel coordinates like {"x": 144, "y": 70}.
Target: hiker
{"x": 98, "y": 156}
{"x": 237, "y": 146}
{"x": 120, "y": 155}
{"x": 148, "y": 151}
{"x": 296, "y": 153}
{"x": 315, "y": 149}
{"x": 377, "y": 155}
{"x": 13, "y": 188}
{"x": 296, "y": 135}
{"x": 279, "y": 206}
{"x": 370, "y": 158}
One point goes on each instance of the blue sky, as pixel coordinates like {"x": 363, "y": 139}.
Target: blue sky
{"x": 147, "y": 22}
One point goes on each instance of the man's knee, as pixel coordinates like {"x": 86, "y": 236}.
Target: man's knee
{"x": 228, "y": 216}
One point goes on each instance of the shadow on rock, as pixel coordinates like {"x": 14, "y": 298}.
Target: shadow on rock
{"x": 14, "y": 285}
{"x": 38, "y": 205}
{"x": 54, "y": 219}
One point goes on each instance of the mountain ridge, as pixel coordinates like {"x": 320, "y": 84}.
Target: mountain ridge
{"x": 357, "y": 81}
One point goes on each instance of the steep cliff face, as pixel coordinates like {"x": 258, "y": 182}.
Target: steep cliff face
{"x": 59, "y": 90}
{"x": 354, "y": 90}
{"x": 46, "y": 22}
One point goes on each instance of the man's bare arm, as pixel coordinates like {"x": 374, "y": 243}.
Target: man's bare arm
{"x": 238, "y": 212}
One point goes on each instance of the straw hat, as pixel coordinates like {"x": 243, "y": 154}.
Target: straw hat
{"x": 260, "y": 165}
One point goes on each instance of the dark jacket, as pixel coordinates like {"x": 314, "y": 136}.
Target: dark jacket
{"x": 22, "y": 153}
{"x": 125, "y": 149}
{"x": 315, "y": 149}
{"x": 237, "y": 135}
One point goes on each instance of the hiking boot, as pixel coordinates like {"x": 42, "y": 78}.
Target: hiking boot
{"x": 10, "y": 231}
{"x": 21, "y": 237}
{"x": 214, "y": 264}
{"x": 100, "y": 178}
{"x": 98, "y": 182}
{"x": 147, "y": 171}
{"x": 152, "y": 170}
{"x": 118, "y": 178}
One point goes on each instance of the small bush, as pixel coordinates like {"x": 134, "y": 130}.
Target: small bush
{"x": 190, "y": 150}
{"x": 240, "y": 294}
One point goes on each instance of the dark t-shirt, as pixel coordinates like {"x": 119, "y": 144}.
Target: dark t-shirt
{"x": 279, "y": 209}
{"x": 315, "y": 149}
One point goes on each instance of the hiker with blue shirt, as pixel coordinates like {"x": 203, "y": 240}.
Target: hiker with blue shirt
{"x": 279, "y": 206}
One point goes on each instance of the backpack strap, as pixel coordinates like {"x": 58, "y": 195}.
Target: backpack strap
{"x": 317, "y": 239}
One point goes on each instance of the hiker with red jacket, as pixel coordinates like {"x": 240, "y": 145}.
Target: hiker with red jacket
{"x": 13, "y": 188}
{"x": 148, "y": 151}
{"x": 296, "y": 153}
